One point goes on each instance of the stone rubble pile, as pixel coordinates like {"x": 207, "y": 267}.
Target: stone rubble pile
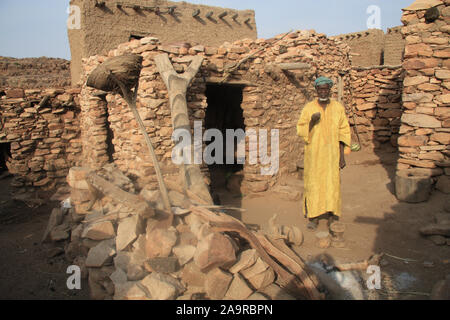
{"x": 152, "y": 255}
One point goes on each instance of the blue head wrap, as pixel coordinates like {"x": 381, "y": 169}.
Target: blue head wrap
{"x": 323, "y": 80}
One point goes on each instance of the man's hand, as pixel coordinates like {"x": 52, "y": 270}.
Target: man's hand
{"x": 314, "y": 120}
{"x": 342, "y": 163}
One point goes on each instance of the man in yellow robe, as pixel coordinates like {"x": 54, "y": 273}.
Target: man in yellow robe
{"x": 325, "y": 129}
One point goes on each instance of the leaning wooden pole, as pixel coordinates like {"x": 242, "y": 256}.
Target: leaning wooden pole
{"x": 177, "y": 85}
{"x": 131, "y": 101}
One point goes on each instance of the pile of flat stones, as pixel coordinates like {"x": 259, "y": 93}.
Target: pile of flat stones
{"x": 154, "y": 256}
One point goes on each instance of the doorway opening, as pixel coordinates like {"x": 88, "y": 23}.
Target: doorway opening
{"x": 5, "y": 155}
{"x": 224, "y": 112}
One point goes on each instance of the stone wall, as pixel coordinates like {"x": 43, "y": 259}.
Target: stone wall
{"x": 105, "y": 27}
{"x": 31, "y": 73}
{"x": 425, "y": 129}
{"x": 41, "y": 129}
{"x": 377, "y": 95}
{"x": 272, "y": 99}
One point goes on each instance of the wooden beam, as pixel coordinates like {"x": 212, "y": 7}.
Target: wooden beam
{"x": 217, "y": 80}
{"x": 294, "y": 66}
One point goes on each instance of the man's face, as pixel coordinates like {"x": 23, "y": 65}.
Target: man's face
{"x": 323, "y": 92}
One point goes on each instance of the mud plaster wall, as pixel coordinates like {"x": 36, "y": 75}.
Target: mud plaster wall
{"x": 374, "y": 48}
{"x": 394, "y": 47}
{"x": 366, "y": 47}
{"x": 104, "y": 28}
{"x": 425, "y": 128}
{"x": 43, "y": 135}
{"x": 270, "y": 101}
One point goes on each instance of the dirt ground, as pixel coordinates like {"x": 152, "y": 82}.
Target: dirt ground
{"x": 375, "y": 223}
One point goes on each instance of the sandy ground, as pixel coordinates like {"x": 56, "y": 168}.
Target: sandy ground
{"x": 375, "y": 223}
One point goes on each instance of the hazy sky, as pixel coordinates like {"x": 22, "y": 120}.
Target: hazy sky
{"x": 35, "y": 28}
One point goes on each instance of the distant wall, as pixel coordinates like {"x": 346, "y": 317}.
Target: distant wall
{"x": 394, "y": 47}
{"x": 374, "y": 48}
{"x": 105, "y": 27}
{"x": 31, "y": 73}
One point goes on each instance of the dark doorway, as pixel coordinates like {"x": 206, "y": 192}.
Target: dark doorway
{"x": 5, "y": 155}
{"x": 224, "y": 112}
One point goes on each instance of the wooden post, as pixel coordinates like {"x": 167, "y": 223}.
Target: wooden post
{"x": 177, "y": 85}
{"x": 126, "y": 94}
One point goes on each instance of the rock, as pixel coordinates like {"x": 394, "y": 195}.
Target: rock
{"x": 164, "y": 264}
{"x": 96, "y": 290}
{"x": 217, "y": 284}
{"x": 257, "y": 297}
{"x": 56, "y": 218}
{"x": 193, "y": 276}
{"x": 421, "y": 120}
{"x": 443, "y": 74}
{"x": 262, "y": 279}
{"x": 246, "y": 260}
{"x": 132, "y": 264}
{"x": 160, "y": 242}
{"x": 129, "y": 291}
{"x": 128, "y": 231}
{"x": 162, "y": 287}
{"x": 78, "y": 196}
{"x": 418, "y": 97}
{"x": 412, "y": 141}
{"x": 99, "y": 231}
{"x": 422, "y": 5}
{"x": 412, "y": 188}
{"x": 118, "y": 277}
{"x": 239, "y": 289}
{"x": 443, "y": 184}
{"x": 100, "y": 254}
{"x": 188, "y": 238}
{"x": 259, "y": 267}
{"x": 414, "y": 81}
{"x": 441, "y": 137}
{"x": 76, "y": 177}
{"x": 214, "y": 251}
{"x": 60, "y": 233}
{"x": 178, "y": 200}
{"x": 184, "y": 253}
{"x": 438, "y": 240}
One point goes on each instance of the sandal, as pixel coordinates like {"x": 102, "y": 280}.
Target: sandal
{"x": 313, "y": 224}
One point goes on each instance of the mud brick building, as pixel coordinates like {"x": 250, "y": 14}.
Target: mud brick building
{"x": 106, "y": 24}
{"x": 374, "y": 48}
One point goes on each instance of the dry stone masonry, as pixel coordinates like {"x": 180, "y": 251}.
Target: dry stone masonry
{"x": 425, "y": 126}
{"x": 377, "y": 104}
{"x": 271, "y": 99}
{"x": 41, "y": 129}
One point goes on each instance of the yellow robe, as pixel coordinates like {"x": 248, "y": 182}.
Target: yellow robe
{"x": 322, "y": 192}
